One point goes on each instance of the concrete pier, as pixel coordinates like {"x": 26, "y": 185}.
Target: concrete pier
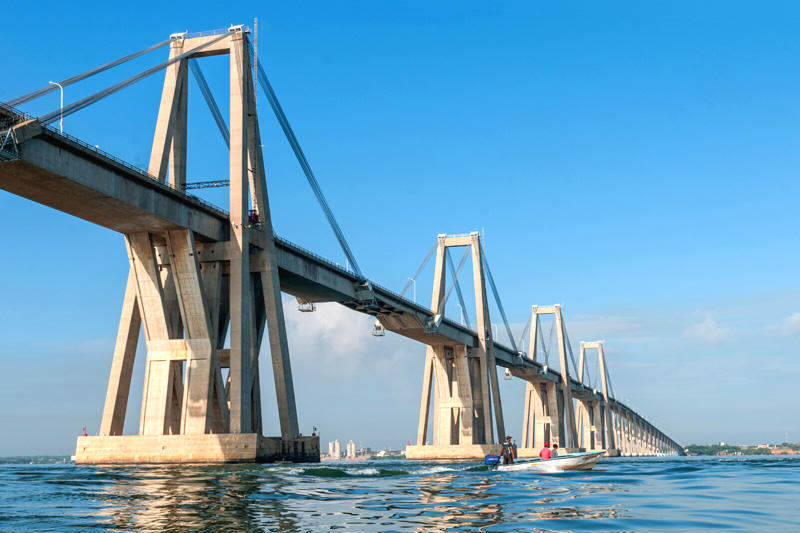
{"x": 187, "y": 307}
{"x": 462, "y": 379}
{"x": 223, "y": 448}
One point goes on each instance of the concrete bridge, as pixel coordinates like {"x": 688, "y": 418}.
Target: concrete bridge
{"x": 199, "y": 274}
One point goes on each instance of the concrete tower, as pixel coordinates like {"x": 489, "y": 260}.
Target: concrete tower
{"x": 202, "y": 401}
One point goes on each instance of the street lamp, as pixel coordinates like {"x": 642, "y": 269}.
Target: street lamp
{"x": 462, "y": 313}
{"x": 61, "y": 117}
{"x": 414, "y": 282}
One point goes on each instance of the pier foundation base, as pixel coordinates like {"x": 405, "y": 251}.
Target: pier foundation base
{"x": 208, "y": 448}
{"x": 451, "y": 452}
{"x": 613, "y": 452}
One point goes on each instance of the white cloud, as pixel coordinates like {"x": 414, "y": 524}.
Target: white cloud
{"x": 789, "y": 326}
{"x": 337, "y": 340}
{"x": 707, "y": 331}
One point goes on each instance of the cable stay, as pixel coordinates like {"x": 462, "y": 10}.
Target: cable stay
{"x": 608, "y": 380}
{"x": 569, "y": 345}
{"x": 69, "y": 81}
{"x": 422, "y": 265}
{"x": 454, "y": 274}
{"x": 548, "y": 343}
{"x": 89, "y": 100}
{"x": 524, "y": 332}
{"x": 586, "y": 379}
{"x": 497, "y": 300}
{"x": 212, "y": 103}
{"x": 301, "y": 158}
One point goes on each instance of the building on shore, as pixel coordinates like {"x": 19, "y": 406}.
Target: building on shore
{"x": 784, "y": 451}
{"x": 334, "y": 449}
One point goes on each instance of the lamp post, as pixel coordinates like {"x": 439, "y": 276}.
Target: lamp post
{"x": 462, "y": 313}
{"x": 61, "y": 117}
{"x": 414, "y": 282}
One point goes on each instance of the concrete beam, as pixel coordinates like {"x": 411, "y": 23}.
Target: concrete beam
{"x": 56, "y": 172}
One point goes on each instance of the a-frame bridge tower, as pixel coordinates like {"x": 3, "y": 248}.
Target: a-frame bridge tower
{"x": 201, "y": 401}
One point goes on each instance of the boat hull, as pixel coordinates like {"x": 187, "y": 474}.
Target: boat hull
{"x": 564, "y": 463}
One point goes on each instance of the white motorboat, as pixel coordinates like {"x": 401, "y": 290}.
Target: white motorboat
{"x": 562, "y": 463}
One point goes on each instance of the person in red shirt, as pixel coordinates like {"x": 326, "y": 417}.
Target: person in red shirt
{"x": 545, "y": 453}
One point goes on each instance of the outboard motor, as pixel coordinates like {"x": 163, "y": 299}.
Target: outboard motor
{"x": 491, "y": 461}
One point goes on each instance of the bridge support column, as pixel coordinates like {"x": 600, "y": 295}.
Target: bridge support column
{"x": 623, "y": 433}
{"x": 598, "y": 427}
{"x": 629, "y": 436}
{"x": 632, "y": 440}
{"x": 584, "y": 413}
{"x": 119, "y": 382}
{"x": 189, "y": 301}
{"x": 605, "y": 423}
{"x": 632, "y": 436}
{"x": 637, "y": 436}
{"x": 455, "y": 414}
{"x": 543, "y": 419}
{"x": 549, "y": 414}
{"x": 463, "y": 380}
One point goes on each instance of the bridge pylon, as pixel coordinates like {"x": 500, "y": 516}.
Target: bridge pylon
{"x": 201, "y": 401}
{"x": 549, "y": 413}
{"x": 596, "y": 416}
{"x": 461, "y": 378}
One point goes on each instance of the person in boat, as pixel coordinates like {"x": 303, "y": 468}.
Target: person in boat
{"x": 554, "y": 453}
{"x": 545, "y": 454}
{"x": 508, "y": 451}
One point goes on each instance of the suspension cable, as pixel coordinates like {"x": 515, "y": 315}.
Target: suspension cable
{"x": 497, "y": 300}
{"x": 413, "y": 278}
{"x": 212, "y": 103}
{"x": 69, "y": 81}
{"x": 89, "y": 100}
{"x": 301, "y": 158}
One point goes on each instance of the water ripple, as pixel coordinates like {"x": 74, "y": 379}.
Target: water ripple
{"x": 748, "y": 494}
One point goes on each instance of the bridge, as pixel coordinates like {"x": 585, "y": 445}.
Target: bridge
{"x": 200, "y": 275}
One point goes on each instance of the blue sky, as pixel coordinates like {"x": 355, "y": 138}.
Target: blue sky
{"x": 634, "y": 161}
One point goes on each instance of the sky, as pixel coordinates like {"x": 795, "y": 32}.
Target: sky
{"x": 634, "y": 161}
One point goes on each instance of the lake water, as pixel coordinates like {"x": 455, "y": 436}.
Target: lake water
{"x": 683, "y": 494}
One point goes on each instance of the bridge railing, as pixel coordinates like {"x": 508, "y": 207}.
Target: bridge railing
{"x": 13, "y": 116}
{"x": 208, "y": 33}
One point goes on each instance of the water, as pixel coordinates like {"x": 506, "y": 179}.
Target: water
{"x": 748, "y": 494}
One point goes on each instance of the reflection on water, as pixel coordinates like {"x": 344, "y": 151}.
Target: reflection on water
{"x": 621, "y": 494}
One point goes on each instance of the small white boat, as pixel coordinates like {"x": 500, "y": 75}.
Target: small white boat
{"x": 562, "y": 463}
